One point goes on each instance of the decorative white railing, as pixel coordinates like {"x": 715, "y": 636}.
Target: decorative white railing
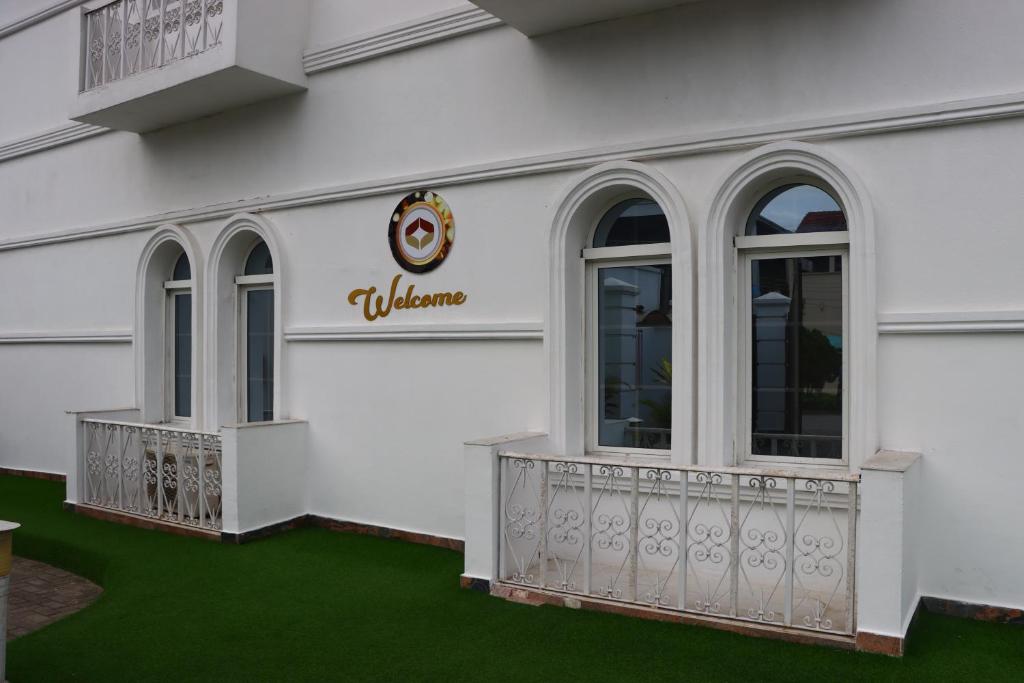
{"x": 769, "y": 546}
{"x": 127, "y": 37}
{"x": 154, "y": 471}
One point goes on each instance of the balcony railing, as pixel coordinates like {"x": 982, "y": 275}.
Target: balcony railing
{"x": 154, "y": 471}
{"x": 768, "y": 546}
{"x": 127, "y": 37}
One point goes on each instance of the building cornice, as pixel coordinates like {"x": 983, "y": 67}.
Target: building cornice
{"x": 398, "y": 37}
{"x": 908, "y": 118}
{"x": 38, "y": 16}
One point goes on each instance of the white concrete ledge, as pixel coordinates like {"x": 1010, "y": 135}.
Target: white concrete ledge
{"x": 891, "y": 461}
{"x": 504, "y": 439}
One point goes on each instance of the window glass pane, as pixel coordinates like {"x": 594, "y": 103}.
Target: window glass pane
{"x": 259, "y": 261}
{"x": 182, "y": 269}
{"x": 796, "y": 209}
{"x": 797, "y": 356}
{"x": 259, "y": 340}
{"x": 634, "y": 221}
{"x": 634, "y": 319}
{"x": 183, "y": 355}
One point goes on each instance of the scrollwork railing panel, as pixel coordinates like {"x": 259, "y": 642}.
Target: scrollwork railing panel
{"x": 768, "y": 546}
{"x": 170, "y": 474}
{"x": 126, "y": 37}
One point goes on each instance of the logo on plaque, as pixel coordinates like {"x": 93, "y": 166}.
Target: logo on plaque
{"x": 421, "y": 231}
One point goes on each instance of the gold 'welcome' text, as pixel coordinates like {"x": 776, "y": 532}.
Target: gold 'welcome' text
{"x": 374, "y": 305}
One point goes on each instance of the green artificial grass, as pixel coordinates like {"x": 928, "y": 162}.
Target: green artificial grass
{"x": 316, "y": 605}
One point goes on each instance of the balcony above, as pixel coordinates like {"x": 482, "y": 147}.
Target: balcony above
{"x": 535, "y": 17}
{"x": 147, "y": 64}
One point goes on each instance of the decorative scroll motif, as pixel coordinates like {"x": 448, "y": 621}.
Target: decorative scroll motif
{"x": 658, "y": 544}
{"x": 709, "y": 554}
{"x": 612, "y": 521}
{"x": 820, "y": 556}
{"x": 522, "y": 522}
{"x": 127, "y": 37}
{"x": 762, "y": 559}
{"x": 566, "y": 515}
{"x": 168, "y": 474}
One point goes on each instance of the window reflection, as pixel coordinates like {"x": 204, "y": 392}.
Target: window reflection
{"x": 634, "y": 221}
{"x": 635, "y": 356}
{"x": 797, "y": 356}
{"x": 796, "y": 209}
{"x": 260, "y": 355}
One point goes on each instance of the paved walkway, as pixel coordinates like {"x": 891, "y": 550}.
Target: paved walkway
{"x": 41, "y": 594}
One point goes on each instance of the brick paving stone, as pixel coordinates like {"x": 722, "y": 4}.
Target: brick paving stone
{"x": 41, "y": 594}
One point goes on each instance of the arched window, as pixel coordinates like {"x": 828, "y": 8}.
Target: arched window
{"x": 256, "y": 314}
{"x": 793, "y": 322}
{"x": 629, "y": 330}
{"x": 178, "y": 321}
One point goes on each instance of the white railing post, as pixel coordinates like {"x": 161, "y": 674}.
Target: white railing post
{"x": 201, "y": 482}
{"x": 684, "y": 506}
{"x": 159, "y": 473}
{"x": 588, "y": 539}
{"x": 634, "y": 534}
{"x": 734, "y": 539}
{"x": 851, "y": 557}
{"x": 790, "y": 549}
{"x": 543, "y": 524}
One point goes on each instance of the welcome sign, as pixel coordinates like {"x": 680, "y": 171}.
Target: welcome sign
{"x": 421, "y": 234}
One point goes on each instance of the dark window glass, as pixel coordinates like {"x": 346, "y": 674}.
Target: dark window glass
{"x": 182, "y": 269}
{"x": 634, "y": 221}
{"x": 634, "y": 318}
{"x": 259, "y": 340}
{"x": 183, "y": 355}
{"x": 797, "y": 356}
{"x": 796, "y": 209}
{"x": 259, "y": 261}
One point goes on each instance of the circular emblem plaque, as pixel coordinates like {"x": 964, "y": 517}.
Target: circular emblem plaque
{"x": 421, "y": 231}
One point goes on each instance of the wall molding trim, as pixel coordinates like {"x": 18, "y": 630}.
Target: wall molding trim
{"x": 38, "y": 16}
{"x": 908, "y": 118}
{"x": 49, "y": 139}
{"x": 951, "y": 322}
{"x": 422, "y": 331}
{"x": 404, "y": 36}
{"x": 123, "y": 336}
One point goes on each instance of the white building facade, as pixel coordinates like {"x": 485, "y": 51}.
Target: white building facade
{"x": 737, "y": 282}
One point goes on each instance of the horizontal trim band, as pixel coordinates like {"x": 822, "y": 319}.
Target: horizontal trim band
{"x": 65, "y": 337}
{"x": 910, "y": 118}
{"x": 50, "y": 139}
{"x": 951, "y": 322}
{"x": 447, "y": 332}
{"x": 398, "y": 37}
{"x": 38, "y": 16}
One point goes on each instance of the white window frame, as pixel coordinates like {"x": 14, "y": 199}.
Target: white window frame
{"x": 175, "y": 288}
{"x": 656, "y": 254}
{"x": 243, "y": 285}
{"x": 748, "y": 250}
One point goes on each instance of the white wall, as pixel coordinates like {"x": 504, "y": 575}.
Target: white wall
{"x": 387, "y": 419}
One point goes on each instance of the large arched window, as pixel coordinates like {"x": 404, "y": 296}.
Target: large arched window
{"x": 178, "y": 358}
{"x": 793, "y": 326}
{"x": 629, "y": 330}
{"x": 256, "y": 315}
